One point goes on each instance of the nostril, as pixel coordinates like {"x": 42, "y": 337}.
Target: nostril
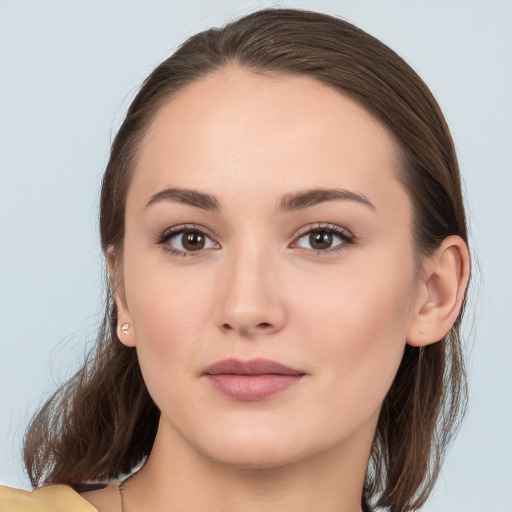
{"x": 246, "y": 330}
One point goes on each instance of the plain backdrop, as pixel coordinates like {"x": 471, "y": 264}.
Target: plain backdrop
{"x": 68, "y": 70}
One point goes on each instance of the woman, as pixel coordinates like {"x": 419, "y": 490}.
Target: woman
{"x": 286, "y": 242}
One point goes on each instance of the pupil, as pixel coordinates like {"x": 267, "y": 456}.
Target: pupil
{"x": 320, "y": 240}
{"x": 193, "y": 241}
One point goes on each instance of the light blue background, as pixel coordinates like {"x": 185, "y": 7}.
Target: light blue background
{"x": 67, "y": 72}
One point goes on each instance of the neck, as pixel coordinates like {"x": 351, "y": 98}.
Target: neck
{"x": 177, "y": 477}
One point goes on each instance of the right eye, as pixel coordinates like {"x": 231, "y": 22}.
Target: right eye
{"x": 184, "y": 241}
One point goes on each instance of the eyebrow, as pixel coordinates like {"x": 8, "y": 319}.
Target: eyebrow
{"x": 186, "y": 196}
{"x": 308, "y": 198}
{"x": 289, "y": 202}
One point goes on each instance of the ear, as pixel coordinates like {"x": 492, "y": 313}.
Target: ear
{"x": 125, "y": 330}
{"x": 441, "y": 292}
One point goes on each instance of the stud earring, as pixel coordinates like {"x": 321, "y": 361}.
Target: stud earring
{"x": 125, "y": 328}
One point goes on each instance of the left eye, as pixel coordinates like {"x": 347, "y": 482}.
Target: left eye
{"x": 322, "y": 239}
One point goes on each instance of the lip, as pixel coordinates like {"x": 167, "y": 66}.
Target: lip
{"x": 251, "y": 380}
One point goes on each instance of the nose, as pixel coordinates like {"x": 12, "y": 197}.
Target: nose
{"x": 250, "y": 300}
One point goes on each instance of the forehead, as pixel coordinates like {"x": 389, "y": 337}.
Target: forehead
{"x": 236, "y": 129}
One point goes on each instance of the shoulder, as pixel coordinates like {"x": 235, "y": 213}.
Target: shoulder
{"x": 43, "y": 499}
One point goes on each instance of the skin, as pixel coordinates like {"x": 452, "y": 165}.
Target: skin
{"x": 258, "y": 288}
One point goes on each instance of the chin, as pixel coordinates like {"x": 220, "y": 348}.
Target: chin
{"x": 253, "y": 457}
{"x": 257, "y": 450}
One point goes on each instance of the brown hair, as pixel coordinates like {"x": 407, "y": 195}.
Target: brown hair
{"x": 102, "y": 423}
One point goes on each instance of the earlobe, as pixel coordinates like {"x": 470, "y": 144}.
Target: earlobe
{"x": 125, "y": 331}
{"x": 442, "y": 288}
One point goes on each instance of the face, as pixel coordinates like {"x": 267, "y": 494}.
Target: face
{"x": 268, "y": 269}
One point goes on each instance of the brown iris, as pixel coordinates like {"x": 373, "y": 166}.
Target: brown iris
{"x": 192, "y": 240}
{"x": 320, "y": 240}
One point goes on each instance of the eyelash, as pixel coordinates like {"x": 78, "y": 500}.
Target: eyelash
{"x": 345, "y": 236}
{"x": 170, "y": 233}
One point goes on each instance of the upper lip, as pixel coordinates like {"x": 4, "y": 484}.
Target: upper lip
{"x": 250, "y": 367}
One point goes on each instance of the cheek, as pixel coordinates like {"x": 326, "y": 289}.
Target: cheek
{"x": 168, "y": 308}
{"x": 358, "y": 329}
{"x": 165, "y": 300}
{"x": 168, "y": 312}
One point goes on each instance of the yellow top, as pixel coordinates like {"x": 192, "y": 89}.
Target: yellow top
{"x": 52, "y": 498}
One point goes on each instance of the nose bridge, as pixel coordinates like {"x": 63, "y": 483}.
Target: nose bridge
{"x": 250, "y": 301}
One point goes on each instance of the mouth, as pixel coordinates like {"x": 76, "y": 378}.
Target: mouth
{"x": 251, "y": 380}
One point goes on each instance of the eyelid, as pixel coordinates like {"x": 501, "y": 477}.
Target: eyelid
{"x": 326, "y": 226}
{"x": 180, "y": 228}
{"x": 347, "y": 237}
{"x": 173, "y": 231}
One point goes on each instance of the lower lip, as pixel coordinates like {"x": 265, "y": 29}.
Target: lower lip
{"x": 252, "y": 387}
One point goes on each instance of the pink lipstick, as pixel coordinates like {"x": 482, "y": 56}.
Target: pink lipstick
{"x": 251, "y": 380}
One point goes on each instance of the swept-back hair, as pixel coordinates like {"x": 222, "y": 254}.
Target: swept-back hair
{"x": 102, "y": 423}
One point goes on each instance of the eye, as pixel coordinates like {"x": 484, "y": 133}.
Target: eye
{"x": 184, "y": 241}
{"x": 324, "y": 238}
